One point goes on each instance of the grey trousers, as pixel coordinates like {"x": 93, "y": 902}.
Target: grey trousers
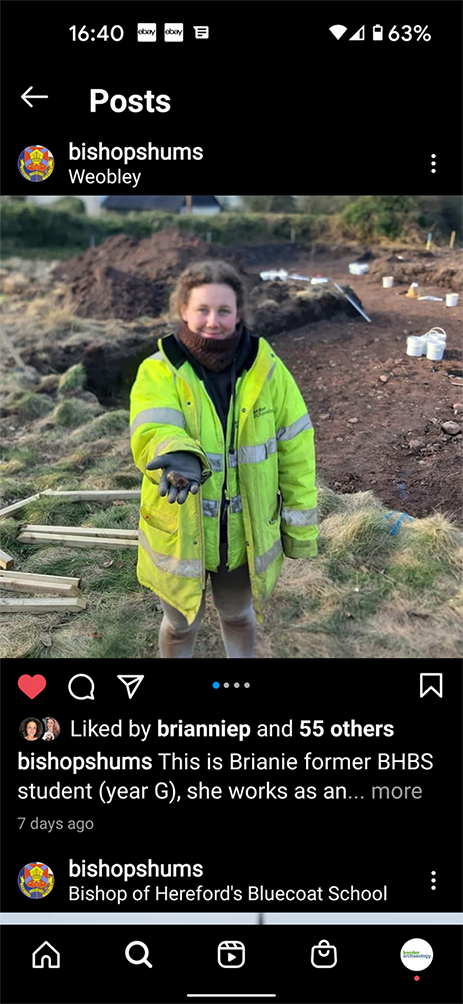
{"x": 231, "y": 592}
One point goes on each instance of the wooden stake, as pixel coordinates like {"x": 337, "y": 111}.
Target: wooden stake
{"x": 6, "y": 561}
{"x": 97, "y": 496}
{"x": 76, "y": 540}
{"x": 452, "y": 239}
{"x": 67, "y": 580}
{"x": 38, "y": 606}
{"x": 188, "y": 204}
{"x": 80, "y": 531}
{"x": 29, "y": 586}
{"x": 18, "y": 505}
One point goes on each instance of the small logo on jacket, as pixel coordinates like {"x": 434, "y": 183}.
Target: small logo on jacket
{"x": 260, "y": 412}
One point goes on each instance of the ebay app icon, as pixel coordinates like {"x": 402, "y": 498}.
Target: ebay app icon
{"x": 173, "y": 32}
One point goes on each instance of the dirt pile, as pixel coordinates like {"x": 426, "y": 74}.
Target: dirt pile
{"x": 276, "y": 306}
{"x": 443, "y": 269}
{"x": 129, "y": 278}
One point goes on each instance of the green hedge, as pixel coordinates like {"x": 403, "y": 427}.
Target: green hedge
{"x": 25, "y": 225}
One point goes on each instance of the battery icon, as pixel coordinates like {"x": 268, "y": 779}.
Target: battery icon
{"x": 377, "y": 32}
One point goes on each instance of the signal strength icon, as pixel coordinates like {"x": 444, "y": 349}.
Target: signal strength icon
{"x": 337, "y": 30}
{"x": 132, "y": 682}
{"x": 359, "y": 35}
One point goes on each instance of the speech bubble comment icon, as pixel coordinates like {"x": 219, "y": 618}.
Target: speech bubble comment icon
{"x": 79, "y": 691}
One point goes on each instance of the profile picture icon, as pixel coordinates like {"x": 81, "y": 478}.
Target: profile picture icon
{"x": 36, "y": 163}
{"x": 31, "y": 729}
{"x": 36, "y": 880}
{"x": 51, "y": 729}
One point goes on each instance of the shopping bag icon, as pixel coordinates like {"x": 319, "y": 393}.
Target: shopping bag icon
{"x": 324, "y": 955}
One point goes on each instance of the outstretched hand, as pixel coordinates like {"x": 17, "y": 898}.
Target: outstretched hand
{"x": 181, "y": 473}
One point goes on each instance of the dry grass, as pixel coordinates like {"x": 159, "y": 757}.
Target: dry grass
{"x": 367, "y": 595}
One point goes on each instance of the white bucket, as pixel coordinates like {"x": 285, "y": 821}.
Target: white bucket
{"x": 436, "y": 340}
{"x": 357, "y": 268}
{"x": 435, "y": 350}
{"x": 416, "y": 345}
{"x": 436, "y": 333}
{"x": 451, "y": 299}
{"x": 388, "y": 281}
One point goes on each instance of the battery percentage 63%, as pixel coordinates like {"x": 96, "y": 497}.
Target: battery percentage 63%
{"x": 422, "y": 33}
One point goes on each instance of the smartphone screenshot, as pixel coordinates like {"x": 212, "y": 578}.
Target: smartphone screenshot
{"x": 231, "y": 428}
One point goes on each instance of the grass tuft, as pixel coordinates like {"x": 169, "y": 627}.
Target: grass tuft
{"x": 73, "y": 379}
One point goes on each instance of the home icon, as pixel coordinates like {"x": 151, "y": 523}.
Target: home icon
{"x": 45, "y": 953}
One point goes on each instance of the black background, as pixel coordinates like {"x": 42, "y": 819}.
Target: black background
{"x": 94, "y": 967}
{"x": 270, "y": 96}
{"x": 290, "y": 844}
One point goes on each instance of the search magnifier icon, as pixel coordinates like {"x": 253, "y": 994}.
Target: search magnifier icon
{"x": 86, "y": 696}
{"x": 144, "y": 958}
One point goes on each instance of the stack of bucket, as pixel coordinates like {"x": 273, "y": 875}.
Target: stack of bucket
{"x": 432, "y": 344}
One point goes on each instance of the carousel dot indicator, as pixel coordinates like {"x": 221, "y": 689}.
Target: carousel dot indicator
{"x": 236, "y": 684}
{"x": 226, "y": 684}
{"x": 216, "y": 685}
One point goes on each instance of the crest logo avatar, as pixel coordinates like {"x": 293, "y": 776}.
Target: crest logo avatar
{"x": 36, "y": 163}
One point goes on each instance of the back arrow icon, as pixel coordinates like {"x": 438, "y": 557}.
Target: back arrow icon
{"x": 28, "y": 95}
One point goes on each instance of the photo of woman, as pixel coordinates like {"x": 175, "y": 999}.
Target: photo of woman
{"x": 31, "y": 729}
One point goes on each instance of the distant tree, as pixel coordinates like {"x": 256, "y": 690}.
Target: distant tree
{"x": 384, "y": 215}
{"x": 70, "y": 204}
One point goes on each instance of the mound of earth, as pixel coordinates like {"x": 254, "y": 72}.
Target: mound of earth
{"x": 128, "y": 278}
{"x": 444, "y": 270}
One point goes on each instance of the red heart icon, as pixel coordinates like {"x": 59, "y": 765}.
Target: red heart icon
{"x": 32, "y": 685}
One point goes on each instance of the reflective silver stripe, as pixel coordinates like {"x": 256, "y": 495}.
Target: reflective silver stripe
{"x": 157, "y": 355}
{"x": 210, "y": 508}
{"x": 233, "y": 459}
{"x": 290, "y": 431}
{"x": 175, "y": 566}
{"x": 254, "y": 454}
{"x": 236, "y": 504}
{"x": 265, "y": 560}
{"x": 299, "y": 517}
{"x": 166, "y": 416}
{"x": 270, "y": 372}
{"x": 215, "y": 460}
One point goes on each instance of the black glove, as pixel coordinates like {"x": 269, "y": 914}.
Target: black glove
{"x": 181, "y": 474}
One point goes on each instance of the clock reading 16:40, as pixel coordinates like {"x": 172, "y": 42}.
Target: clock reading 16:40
{"x": 116, "y": 33}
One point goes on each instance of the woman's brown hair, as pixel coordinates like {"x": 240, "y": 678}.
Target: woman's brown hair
{"x": 202, "y": 274}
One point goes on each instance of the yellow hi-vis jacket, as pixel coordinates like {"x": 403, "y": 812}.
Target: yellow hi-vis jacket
{"x": 269, "y": 478}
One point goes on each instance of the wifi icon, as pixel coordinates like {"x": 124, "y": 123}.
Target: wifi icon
{"x": 337, "y": 30}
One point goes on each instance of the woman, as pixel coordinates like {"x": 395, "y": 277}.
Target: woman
{"x": 216, "y": 408}
{"x": 31, "y": 729}
{"x": 52, "y": 729}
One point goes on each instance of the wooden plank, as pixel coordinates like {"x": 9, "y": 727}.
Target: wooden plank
{"x": 6, "y": 561}
{"x": 76, "y": 540}
{"x": 29, "y": 586}
{"x": 98, "y": 496}
{"x": 84, "y": 531}
{"x": 38, "y": 606}
{"x": 37, "y": 577}
{"x": 18, "y": 505}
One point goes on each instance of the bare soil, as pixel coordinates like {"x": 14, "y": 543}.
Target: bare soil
{"x": 338, "y": 364}
{"x": 377, "y": 413}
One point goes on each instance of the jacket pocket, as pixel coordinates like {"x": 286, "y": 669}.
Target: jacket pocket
{"x": 275, "y": 509}
{"x": 164, "y": 523}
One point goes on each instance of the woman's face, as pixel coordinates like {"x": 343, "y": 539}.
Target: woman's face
{"x": 31, "y": 729}
{"x": 211, "y": 310}
{"x": 51, "y": 724}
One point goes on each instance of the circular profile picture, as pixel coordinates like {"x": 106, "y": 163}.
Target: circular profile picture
{"x": 416, "y": 954}
{"x": 35, "y": 163}
{"x": 51, "y": 729}
{"x": 36, "y": 880}
{"x": 31, "y": 729}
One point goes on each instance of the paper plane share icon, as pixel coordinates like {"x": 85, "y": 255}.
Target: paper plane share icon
{"x": 132, "y": 683}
